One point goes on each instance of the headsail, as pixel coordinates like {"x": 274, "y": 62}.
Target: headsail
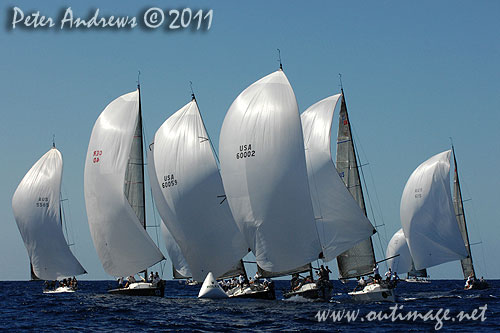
{"x": 467, "y": 265}
{"x": 427, "y": 214}
{"x": 360, "y": 259}
{"x": 122, "y": 243}
{"x": 36, "y": 204}
{"x": 189, "y": 197}
{"x": 264, "y": 173}
{"x": 340, "y": 222}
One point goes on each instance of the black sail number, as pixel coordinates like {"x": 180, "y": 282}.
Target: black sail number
{"x": 245, "y": 151}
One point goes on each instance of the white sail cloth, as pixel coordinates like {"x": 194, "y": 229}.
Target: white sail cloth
{"x": 427, "y": 214}
{"x": 397, "y": 245}
{"x": 340, "y": 221}
{"x": 174, "y": 253}
{"x": 123, "y": 246}
{"x": 36, "y": 206}
{"x": 190, "y": 197}
{"x": 264, "y": 174}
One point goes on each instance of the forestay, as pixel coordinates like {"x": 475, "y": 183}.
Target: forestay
{"x": 190, "y": 197}
{"x": 36, "y": 206}
{"x": 264, "y": 173}
{"x": 340, "y": 222}
{"x": 122, "y": 243}
{"x": 427, "y": 214}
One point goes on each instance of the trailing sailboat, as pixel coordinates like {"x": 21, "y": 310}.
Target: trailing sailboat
{"x": 426, "y": 199}
{"x": 401, "y": 261}
{"x": 37, "y": 211}
{"x": 114, "y": 195}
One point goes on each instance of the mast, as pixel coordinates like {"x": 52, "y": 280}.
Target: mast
{"x": 360, "y": 259}
{"x": 467, "y": 265}
{"x": 142, "y": 164}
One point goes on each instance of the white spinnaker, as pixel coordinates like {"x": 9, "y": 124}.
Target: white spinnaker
{"x": 174, "y": 252}
{"x": 397, "y": 245}
{"x": 36, "y": 204}
{"x": 340, "y": 221}
{"x": 123, "y": 246}
{"x": 192, "y": 205}
{"x": 264, "y": 173}
{"x": 427, "y": 214}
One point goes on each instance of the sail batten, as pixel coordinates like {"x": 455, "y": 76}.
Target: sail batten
{"x": 264, "y": 173}
{"x": 428, "y": 217}
{"x": 36, "y": 207}
{"x": 360, "y": 259}
{"x": 112, "y": 190}
{"x": 340, "y": 222}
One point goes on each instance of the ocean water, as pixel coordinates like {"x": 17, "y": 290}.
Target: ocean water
{"x": 23, "y": 307}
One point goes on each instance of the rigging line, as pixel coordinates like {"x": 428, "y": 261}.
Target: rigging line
{"x": 279, "y": 59}
{"x": 205, "y": 128}
{"x": 369, "y": 198}
{"x": 376, "y": 195}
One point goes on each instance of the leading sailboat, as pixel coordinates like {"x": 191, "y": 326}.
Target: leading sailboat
{"x": 37, "y": 210}
{"x": 114, "y": 195}
{"x": 264, "y": 171}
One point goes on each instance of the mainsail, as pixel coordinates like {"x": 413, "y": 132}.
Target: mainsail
{"x": 340, "y": 222}
{"x": 264, "y": 173}
{"x": 36, "y": 206}
{"x": 115, "y": 204}
{"x": 428, "y": 217}
{"x": 467, "y": 266}
{"x": 360, "y": 259}
{"x": 188, "y": 194}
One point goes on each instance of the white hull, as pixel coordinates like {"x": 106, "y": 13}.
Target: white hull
{"x": 374, "y": 293}
{"x": 413, "y": 280}
{"x": 59, "y": 290}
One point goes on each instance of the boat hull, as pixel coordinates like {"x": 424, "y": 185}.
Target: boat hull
{"x": 258, "y": 292}
{"x": 374, "y": 293}
{"x": 312, "y": 290}
{"x": 141, "y": 289}
{"x": 59, "y": 290}
{"x": 478, "y": 285}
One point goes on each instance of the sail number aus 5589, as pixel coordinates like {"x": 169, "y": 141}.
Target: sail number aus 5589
{"x": 245, "y": 151}
{"x": 169, "y": 181}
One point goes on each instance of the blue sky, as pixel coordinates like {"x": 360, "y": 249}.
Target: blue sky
{"x": 414, "y": 74}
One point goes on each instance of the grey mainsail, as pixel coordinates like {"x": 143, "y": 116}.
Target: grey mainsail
{"x": 134, "y": 174}
{"x": 467, "y": 266}
{"x": 417, "y": 273}
{"x": 360, "y": 259}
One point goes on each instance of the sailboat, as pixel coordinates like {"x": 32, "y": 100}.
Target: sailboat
{"x": 114, "y": 195}
{"x": 37, "y": 211}
{"x": 189, "y": 195}
{"x": 434, "y": 223}
{"x": 264, "y": 173}
{"x": 340, "y": 222}
{"x": 401, "y": 261}
{"x": 360, "y": 259}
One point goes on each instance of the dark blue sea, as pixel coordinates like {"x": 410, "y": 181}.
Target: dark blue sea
{"x": 25, "y": 308}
